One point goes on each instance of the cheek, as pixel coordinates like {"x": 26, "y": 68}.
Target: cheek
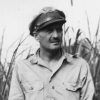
{"x": 41, "y": 37}
{"x": 60, "y": 34}
{"x": 44, "y": 39}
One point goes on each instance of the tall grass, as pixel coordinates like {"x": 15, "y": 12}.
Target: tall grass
{"x": 84, "y": 48}
{"x": 76, "y": 48}
{"x": 5, "y": 84}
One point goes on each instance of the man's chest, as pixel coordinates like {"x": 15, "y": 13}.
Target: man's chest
{"x": 61, "y": 82}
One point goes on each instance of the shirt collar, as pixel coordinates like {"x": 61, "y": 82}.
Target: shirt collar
{"x": 36, "y": 59}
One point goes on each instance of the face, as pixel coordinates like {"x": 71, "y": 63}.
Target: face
{"x": 50, "y": 37}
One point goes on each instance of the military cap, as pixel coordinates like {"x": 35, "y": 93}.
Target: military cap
{"x": 47, "y": 16}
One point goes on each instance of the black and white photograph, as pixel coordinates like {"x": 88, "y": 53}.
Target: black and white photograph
{"x": 49, "y": 50}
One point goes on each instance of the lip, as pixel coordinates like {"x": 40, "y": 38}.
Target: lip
{"x": 56, "y": 42}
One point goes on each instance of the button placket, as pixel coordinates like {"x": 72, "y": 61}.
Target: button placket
{"x": 48, "y": 87}
{"x": 58, "y": 67}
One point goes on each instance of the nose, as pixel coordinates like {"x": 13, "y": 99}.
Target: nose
{"x": 55, "y": 33}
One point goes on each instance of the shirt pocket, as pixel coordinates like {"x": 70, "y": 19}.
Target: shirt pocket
{"x": 75, "y": 82}
{"x": 29, "y": 87}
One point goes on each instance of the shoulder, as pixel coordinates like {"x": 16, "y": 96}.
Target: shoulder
{"x": 20, "y": 64}
{"x": 74, "y": 58}
{"x": 77, "y": 61}
{"x": 82, "y": 64}
{"x": 79, "y": 66}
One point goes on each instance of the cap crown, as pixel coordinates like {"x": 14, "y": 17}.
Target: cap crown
{"x": 47, "y": 16}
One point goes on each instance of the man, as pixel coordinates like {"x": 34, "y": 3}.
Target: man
{"x": 51, "y": 74}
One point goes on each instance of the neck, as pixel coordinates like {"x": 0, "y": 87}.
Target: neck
{"x": 50, "y": 55}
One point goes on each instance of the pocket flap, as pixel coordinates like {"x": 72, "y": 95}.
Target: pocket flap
{"x": 35, "y": 86}
{"x": 72, "y": 86}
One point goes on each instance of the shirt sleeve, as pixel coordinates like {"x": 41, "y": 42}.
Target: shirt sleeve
{"x": 15, "y": 88}
{"x": 87, "y": 91}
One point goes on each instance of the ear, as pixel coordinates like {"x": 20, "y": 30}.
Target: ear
{"x": 36, "y": 36}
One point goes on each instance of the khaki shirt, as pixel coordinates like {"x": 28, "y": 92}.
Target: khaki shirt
{"x": 67, "y": 79}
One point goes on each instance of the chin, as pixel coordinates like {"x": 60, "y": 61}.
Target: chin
{"x": 56, "y": 48}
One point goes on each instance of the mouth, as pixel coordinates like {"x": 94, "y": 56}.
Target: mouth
{"x": 56, "y": 42}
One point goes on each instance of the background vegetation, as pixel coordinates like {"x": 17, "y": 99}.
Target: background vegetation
{"x": 85, "y": 48}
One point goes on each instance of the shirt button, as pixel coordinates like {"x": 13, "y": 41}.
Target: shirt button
{"x": 53, "y": 87}
{"x": 31, "y": 88}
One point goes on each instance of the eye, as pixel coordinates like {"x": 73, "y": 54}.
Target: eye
{"x": 49, "y": 29}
